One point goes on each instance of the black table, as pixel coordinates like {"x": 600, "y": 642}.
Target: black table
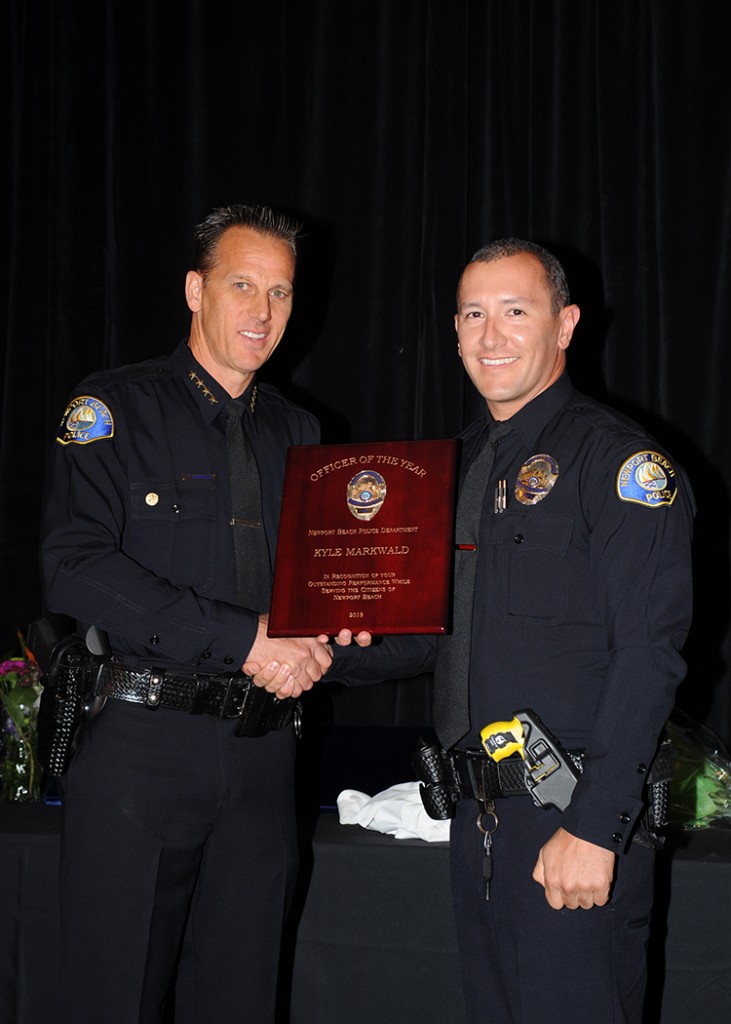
{"x": 373, "y": 936}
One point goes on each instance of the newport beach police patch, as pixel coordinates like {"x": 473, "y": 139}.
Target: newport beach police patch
{"x": 86, "y": 420}
{"x": 647, "y": 478}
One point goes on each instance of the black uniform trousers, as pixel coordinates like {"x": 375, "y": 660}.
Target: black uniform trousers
{"x": 179, "y": 841}
{"x": 523, "y": 962}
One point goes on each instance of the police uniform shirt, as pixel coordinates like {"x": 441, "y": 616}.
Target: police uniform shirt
{"x": 136, "y": 531}
{"x": 583, "y": 595}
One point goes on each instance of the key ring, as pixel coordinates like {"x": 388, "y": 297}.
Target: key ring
{"x": 483, "y": 814}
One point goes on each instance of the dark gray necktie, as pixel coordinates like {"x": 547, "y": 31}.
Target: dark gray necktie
{"x": 452, "y": 670}
{"x": 253, "y": 569}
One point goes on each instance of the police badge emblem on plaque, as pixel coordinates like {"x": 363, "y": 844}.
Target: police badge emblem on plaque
{"x": 536, "y": 477}
{"x": 366, "y": 493}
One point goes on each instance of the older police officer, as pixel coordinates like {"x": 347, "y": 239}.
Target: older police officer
{"x": 160, "y": 524}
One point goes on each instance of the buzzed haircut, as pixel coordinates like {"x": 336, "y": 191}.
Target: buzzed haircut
{"x": 555, "y": 274}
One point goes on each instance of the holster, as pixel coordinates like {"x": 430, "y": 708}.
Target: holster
{"x": 67, "y": 701}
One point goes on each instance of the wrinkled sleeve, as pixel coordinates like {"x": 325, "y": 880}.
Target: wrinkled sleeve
{"x": 641, "y": 562}
{"x": 389, "y": 657}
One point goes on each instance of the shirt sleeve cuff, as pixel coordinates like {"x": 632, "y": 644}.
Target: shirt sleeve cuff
{"x": 602, "y": 816}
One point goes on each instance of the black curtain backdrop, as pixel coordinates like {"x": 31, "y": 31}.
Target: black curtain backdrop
{"x": 404, "y": 133}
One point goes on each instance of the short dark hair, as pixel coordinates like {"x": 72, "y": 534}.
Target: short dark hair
{"x": 555, "y": 274}
{"x": 259, "y": 218}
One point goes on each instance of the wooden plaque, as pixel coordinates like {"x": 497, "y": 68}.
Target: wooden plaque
{"x": 365, "y": 539}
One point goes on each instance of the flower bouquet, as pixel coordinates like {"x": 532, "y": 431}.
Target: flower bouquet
{"x": 20, "y": 690}
{"x": 700, "y": 793}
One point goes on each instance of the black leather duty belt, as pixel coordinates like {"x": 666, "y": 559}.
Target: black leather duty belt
{"x": 481, "y": 778}
{"x": 446, "y": 776}
{"x": 450, "y": 775}
{"x": 231, "y": 696}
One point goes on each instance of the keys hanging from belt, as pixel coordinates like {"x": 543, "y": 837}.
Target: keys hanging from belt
{"x": 487, "y": 828}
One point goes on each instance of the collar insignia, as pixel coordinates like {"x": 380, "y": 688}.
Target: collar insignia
{"x": 647, "y": 478}
{"x": 86, "y": 419}
{"x": 536, "y": 477}
{"x": 202, "y": 387}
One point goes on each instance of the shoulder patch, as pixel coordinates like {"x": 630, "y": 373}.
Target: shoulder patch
{"x": 647, "y": 478}
{"x": 86, "y": 419}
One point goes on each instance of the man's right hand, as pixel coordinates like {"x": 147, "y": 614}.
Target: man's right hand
{"x": 286, "y": 666}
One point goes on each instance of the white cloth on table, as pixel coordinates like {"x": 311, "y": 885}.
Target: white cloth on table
{"x": 397, "y": 811}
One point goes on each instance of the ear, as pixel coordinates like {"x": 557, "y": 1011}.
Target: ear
{"x": 193, "y": 290}
{"x": 569, "y": 317}
{"x": 456, "y": 327}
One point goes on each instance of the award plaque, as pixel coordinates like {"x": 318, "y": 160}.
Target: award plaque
{"x": 365, "y": 539}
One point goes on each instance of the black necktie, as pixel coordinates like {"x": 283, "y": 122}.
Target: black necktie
{"x": 452, "y": 670}
{"x": 253, "y": 569}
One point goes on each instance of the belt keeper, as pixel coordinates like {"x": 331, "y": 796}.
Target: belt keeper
{"x": 200, "y": 698}
{"x": 154, "y": 689}
{"x": 232, "y": 689}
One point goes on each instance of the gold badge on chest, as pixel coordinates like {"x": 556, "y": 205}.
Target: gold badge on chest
{"x": 536, "y": 477}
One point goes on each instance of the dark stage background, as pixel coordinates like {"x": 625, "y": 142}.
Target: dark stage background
{"x": 404, "y": 133}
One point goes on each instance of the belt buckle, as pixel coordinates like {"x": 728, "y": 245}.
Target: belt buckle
{"x": 230, "y": 706}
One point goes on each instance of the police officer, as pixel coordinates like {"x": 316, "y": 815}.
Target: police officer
{"x": 574, "y": 562}
{"x": 582, "y": 603}
{"x": 173, "y": 825}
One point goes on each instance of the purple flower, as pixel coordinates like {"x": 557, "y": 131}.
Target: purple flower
{"x": 12, "y": 665}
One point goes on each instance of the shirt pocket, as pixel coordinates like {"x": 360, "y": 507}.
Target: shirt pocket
{"x": 173, "y": 530}
{"x": 529, "y": 567}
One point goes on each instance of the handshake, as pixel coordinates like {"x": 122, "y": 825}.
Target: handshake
{"x": 287, "y": 666}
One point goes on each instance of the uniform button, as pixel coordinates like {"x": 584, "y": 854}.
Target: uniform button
{"x": 641, "y": 769}
{"x": 617, "y": 837}
{"x": 518, "y": 538}
{"x": 228, "y": 661}
{"x": 624, "y": 817}
{"x": 206, "y": 654}
{"x": 176, "y": 508}
{"x": 154, "y": 639}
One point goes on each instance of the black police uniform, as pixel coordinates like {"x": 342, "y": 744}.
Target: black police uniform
{"x": 170, "y": 820}
{"x": 582, "y": 605}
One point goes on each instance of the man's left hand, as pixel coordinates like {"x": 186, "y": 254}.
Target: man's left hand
{"x": 346, "y": 637}
{"x": 574, "y": 872}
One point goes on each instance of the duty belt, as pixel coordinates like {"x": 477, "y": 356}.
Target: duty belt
{"x": 447, "y": 776}
{"x": 478, "y": 777}
{"x": 472, "y": 774}
{"x": 224, "y": 696}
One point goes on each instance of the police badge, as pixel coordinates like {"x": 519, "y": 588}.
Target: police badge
{"x": 366, "y": 493}
{"x": 536, "y": 477}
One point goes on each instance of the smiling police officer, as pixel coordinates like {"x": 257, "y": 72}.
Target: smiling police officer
{"x": 582, "y": 603}
{"x": 572, "y": 604}
{"x": 160, "y": 526}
